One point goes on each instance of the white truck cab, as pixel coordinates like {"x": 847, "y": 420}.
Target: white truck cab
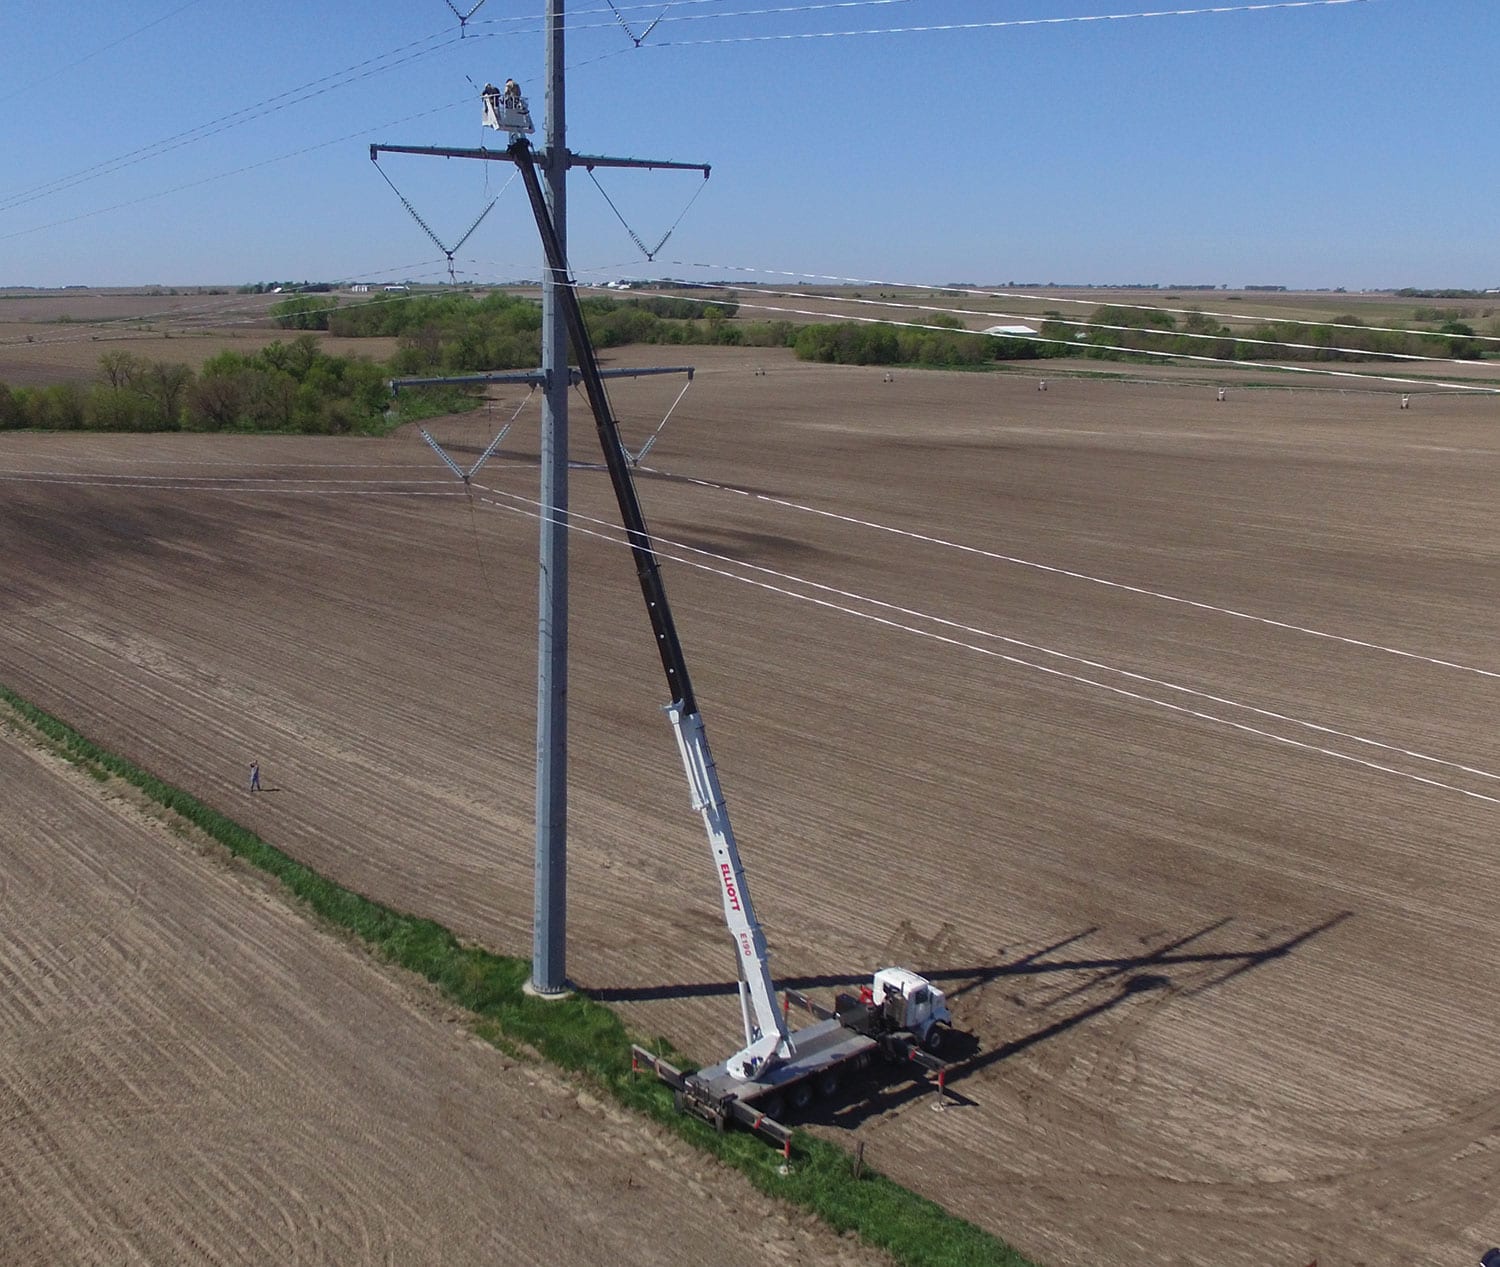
{"x": 914, "y": 1004}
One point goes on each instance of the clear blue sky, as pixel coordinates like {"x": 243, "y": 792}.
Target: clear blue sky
{"x": 1350, "y": 145}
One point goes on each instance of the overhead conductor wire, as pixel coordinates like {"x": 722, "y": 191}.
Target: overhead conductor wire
{"x": 1099, "y": 325}
{"x": 532, "y": 509}
{"x": 1110, "y": 347}
{"x": 237, "y": 171}
{"x": 87, "y": 57}
{"x": 224, "y": 123}
{"x": 1001, "y": 23}
{"x": 985, "y": 292}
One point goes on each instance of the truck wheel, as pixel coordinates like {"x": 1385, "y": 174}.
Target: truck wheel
{"x": 828, "y": 1083}
{"x": 936, "y": 1040}
{"x": 801, "y": 1095}
{"x": 773, "y": 1106}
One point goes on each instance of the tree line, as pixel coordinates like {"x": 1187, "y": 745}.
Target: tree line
{"x": 298, "y": 387}
{"x": 293, "y": 387}
{"x": 1123, "y": 333}
{"x": 949, "y": 345}
{"x": 1116, "y": 331}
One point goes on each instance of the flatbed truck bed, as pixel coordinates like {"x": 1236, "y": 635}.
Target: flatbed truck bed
{"x": 835, "y": 1047}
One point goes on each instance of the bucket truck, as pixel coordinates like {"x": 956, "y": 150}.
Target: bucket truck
{"x": 899, "y": 1015}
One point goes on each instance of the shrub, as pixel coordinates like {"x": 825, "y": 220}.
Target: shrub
{"x": 303, "y": 313}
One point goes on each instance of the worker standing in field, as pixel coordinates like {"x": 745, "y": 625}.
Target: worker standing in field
{"x": 255, "y": 776}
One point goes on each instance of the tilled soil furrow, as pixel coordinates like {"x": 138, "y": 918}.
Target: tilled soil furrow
{"x": 1268, "y": 986}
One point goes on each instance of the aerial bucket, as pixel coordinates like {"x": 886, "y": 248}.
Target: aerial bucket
{"x": 506, "y": 111}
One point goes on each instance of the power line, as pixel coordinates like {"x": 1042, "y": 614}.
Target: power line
{"x": 1007, "y": 22}
{"x": 782, "y": 504}
{"x": 915, "y": 28}
{"x": 1147, "y": 331}
{"x": 1031, "y": 297}
{"x": 463, "y": 18}
{"x": 899, "y": 625}
{"x": 662, "y": 6}
{"x": 1106, "y": 347}
{"x": 16, "y": 92}
{"x": 987, "y": 293}
{"x": 234, "y": 119}
{"x": 749, "y": 13}
{"x": 625, "y": 26}
{"x": 961, "y": 627}
{"x": 1217, "y": 361}
{"x": 1073, "y": 575}
{"x": 237, "y": 171}
{"x": 572, "y": 26}
{"x": 723, "y": 566}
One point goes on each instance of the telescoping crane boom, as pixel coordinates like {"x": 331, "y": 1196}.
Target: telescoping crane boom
{"x": 903, "y": 1013}
{"x": 765, "y": 1026}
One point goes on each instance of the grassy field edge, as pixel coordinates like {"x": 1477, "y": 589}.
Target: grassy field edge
{"x": 579, "y": 1035}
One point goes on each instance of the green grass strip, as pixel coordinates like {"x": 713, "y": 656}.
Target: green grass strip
{"x": 576, "y": 1033}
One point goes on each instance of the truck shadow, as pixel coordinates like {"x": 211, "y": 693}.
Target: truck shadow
{"x": 851, "y": 1108}
{"x": 1214, "y": 967}
{"x": 1174, "y": 969}
{"x": 1072, "y": 990}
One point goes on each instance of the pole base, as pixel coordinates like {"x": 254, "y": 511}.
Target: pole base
{"x": 545, "y": 994}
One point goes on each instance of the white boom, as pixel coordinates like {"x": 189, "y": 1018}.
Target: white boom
{"x": 766, "y": 1039}
{"x": 901, "y": 1015}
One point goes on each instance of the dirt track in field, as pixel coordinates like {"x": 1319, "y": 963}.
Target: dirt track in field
{"x": 1211, "y": 881}
{"x": 191, "y": 1072}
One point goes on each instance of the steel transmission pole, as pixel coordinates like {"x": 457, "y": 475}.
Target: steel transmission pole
{"x": 549, "y": 971}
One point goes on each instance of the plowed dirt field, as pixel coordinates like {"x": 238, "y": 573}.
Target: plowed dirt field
{"x": 1157, "y": 729}
{"x": 192, "y": 1073}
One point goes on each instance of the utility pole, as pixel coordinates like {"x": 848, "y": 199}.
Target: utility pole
{"x": 550, "y": 895}
{"x": 549, "y": 903}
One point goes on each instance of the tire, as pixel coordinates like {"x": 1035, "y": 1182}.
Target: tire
{"x": 936, "y": 1040}
{"x": 801, "y": 1094}
{"x": 773, "y": 1106}
{"x": 828, "y": 1083}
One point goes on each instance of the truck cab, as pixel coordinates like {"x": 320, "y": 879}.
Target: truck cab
{"x": 911, "y": 1002}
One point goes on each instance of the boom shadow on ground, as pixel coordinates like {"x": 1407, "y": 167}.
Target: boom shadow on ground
{"x": 1123, "y": 977}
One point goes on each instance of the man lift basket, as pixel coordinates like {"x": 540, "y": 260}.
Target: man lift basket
{"x": 506, "y": 110}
